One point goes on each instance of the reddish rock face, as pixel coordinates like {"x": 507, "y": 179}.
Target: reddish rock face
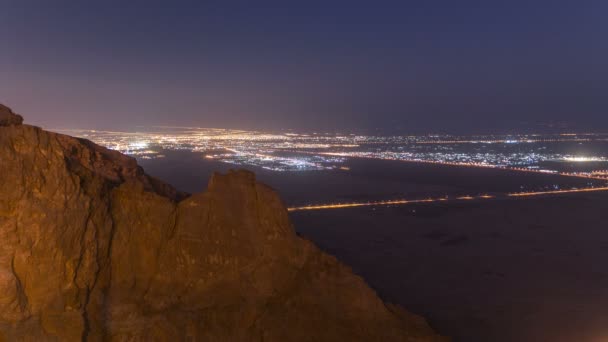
{"x": 93, "y": 248}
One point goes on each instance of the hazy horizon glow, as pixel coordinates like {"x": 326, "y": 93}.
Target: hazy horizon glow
{"x": 443, "y": 66}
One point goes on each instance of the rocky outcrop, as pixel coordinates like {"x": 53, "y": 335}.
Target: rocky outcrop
{"x": 8, "y": 118}
{"x": 92, "y": 248}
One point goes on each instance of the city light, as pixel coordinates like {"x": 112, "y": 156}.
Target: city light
{"x": 533, "y": 153}
{"x": 584, "y": 159}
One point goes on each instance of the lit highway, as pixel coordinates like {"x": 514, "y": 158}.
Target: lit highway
{"x": 556, "y": 192}
{"x": 443, "y": 199}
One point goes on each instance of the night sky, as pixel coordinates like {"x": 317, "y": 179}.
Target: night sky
{"x": 387, "y": 66}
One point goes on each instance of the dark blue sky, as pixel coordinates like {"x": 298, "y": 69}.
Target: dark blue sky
{"x": 412, "y": 66}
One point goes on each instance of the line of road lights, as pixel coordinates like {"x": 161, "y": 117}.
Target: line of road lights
{"x": 442, "y": 199}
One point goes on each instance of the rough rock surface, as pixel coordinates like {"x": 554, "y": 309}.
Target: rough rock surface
{"x": 91, "y": 248}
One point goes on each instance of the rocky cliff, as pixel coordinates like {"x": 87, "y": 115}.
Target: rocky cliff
{"x": 92, "y": 248}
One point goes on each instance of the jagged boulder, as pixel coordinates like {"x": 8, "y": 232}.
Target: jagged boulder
{"x": 92, "y": 248}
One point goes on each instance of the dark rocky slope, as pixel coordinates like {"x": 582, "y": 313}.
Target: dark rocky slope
{"x": 92, "y": 248}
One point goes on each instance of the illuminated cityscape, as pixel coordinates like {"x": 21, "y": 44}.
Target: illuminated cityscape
{"x": 578, "y": 155}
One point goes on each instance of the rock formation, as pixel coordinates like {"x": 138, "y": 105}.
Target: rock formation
{"x": 92, "y": 248}
{"x": 8, "y": 118}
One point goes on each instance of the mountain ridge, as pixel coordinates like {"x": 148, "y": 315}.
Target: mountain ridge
{"x": 95, "y": 249}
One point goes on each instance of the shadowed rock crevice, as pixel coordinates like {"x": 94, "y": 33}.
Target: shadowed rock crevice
{"x": 94, "y": 249}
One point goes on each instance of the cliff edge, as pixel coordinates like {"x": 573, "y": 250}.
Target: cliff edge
{"x": 92, "y": 248}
